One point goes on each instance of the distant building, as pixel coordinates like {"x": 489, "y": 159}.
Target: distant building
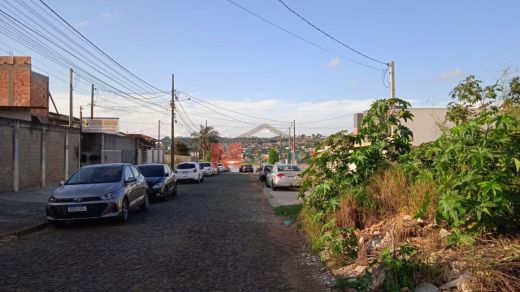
{"x": 426, "y": 125}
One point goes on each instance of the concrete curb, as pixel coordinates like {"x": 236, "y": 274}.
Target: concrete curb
{"x": 26, "y": 231}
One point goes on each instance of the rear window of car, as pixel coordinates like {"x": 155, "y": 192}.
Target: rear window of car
{"x": 288, "y": 168}
{"x": 151, "y": 170}
{"x": 186, "y": 166}
{"x": 203, "y": 164}
{"x": 268, "y": 167}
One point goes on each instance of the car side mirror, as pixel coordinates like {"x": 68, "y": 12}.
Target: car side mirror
{"x": 166, "y": 174}
{"x": 62, "y": 183}
{"x": 130, "y": 179}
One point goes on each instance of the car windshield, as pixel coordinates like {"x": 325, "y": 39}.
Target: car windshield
{"x": 205, "y": 164}
{"x": 186, "y": 166}
{"x": 96, "y": 175}
{"x": 151, "y": 170}
{"x": 288, "y": 168}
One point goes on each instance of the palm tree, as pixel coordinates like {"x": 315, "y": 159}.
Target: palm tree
{"x": 203, "y": 138}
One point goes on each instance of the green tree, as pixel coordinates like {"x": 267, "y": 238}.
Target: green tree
{"x": 181, "y": 148}
{"x": 203, "y": 139}
{"x": 273, "y": 156}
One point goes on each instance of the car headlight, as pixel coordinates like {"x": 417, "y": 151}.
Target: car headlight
{"x": 109, "y": 196}
{"x": 52, "y": 199}
{"x": 157, "y": 185}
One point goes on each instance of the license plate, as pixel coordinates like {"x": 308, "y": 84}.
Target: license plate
{"x": 77, "y": 209}
{"x": 290, "y": 176}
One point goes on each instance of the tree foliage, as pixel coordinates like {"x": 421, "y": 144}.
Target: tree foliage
{"x": 203, "y": 139}
{"x": 273, "y": 156}
{"x": 181, "y": 148}
{"x": 474, "y": 163}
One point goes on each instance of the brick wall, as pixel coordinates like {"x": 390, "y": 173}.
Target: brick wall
{"x": 55, "y": 154}
{"x": 15, "y": 81}
{"x": 6, "y": 158}
{"x": 39, "y": 94}
{"x": 36, "y": 143}
{"x": 30, "y": 157}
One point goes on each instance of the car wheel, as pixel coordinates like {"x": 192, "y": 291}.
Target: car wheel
{"x": 146, "y": 204}
{"x": 166, "y": 196}
{"x": 273, "y": 186}
{"x": 125, "y": 209}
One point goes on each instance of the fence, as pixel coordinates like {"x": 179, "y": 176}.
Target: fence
{"x": 34, "y": 155}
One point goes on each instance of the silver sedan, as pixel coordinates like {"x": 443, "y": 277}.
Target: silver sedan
{"x": 99, "y": 191}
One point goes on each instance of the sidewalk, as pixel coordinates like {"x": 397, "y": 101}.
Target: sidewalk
{"x": 23, "y": 211}
{"x": 282, "y": 197}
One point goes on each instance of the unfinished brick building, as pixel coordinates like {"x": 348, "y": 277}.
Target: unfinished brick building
{"x": 23, "y": 93}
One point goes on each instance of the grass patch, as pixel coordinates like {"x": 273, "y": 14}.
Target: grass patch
{"x": 291, "y": 211}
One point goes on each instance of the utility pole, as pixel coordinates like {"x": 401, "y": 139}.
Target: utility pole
{"x": 289, "y": 145}
{"x": 80, "y": 133}
{"x": 206, "y": 142}
{"x": 294, "y": 143}
{"x": 172, "y": 150}
{"x": 71, "y": 109}
{"x": 92, "y": 102}
{"x": 159, "y": 135}
{"x": 392, "y": 80}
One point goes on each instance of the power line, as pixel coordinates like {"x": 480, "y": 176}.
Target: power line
{"x": 300, "y": 37}
{"x": 96, "y": 47}
{"x": 327, "y": 119}
{"x": 229, "y": 110}
{"x": 330, "y": 36}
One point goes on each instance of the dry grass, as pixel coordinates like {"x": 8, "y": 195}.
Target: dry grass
{"x": 423, "y": 193}
{"x": 388, "y": 189}
{"x": 494, "y": 264}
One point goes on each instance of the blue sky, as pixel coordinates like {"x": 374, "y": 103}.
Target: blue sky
{"x": 220, "y": 53}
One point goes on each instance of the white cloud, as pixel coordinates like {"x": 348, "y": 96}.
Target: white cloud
{"x": 105, "y": 14}
{"x": 334, "y": 63}
{"x": 82, "y": 23}
{"x": 229, "y": 124}
{"x": 451, "y": 75}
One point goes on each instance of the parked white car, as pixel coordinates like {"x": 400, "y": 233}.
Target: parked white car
{"x": 206, "y": 168}
{"x": 189, "y": 171}
{"x": 284, "y": 175}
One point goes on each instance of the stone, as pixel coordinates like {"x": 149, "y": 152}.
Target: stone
{"x": 443, "y": 233}
{"x": 426, "y": 287}
{"x": 459, "y": 283}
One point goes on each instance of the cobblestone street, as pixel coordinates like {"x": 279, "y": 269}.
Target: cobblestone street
{"x": 218, "y": 235}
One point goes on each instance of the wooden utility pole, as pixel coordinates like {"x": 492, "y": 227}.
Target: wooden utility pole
{"x": 71, "y": 109}
{"x": 92, "y": 102}
{"x": 159, "y": 135}
{"x": 80, "y": 133}
{"x": 172, "y": 148}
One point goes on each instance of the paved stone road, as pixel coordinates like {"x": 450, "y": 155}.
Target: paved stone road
{"x": 220, "y": 235}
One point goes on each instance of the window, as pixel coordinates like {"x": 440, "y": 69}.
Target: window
{"x": 167, "y": 170}
{"x": 135, "y": 171}
{"x": 96, "y": 174}
{"x": 128, "y": 173}
{"x": 186, "y": 166}
{"x": 151, "y": 170}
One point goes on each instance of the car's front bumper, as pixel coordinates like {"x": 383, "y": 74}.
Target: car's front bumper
{"x": 94, "y": 210}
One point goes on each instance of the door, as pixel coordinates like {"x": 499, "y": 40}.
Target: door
{"x": 130, "y": 187}
{"x": 141, "y": 185}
